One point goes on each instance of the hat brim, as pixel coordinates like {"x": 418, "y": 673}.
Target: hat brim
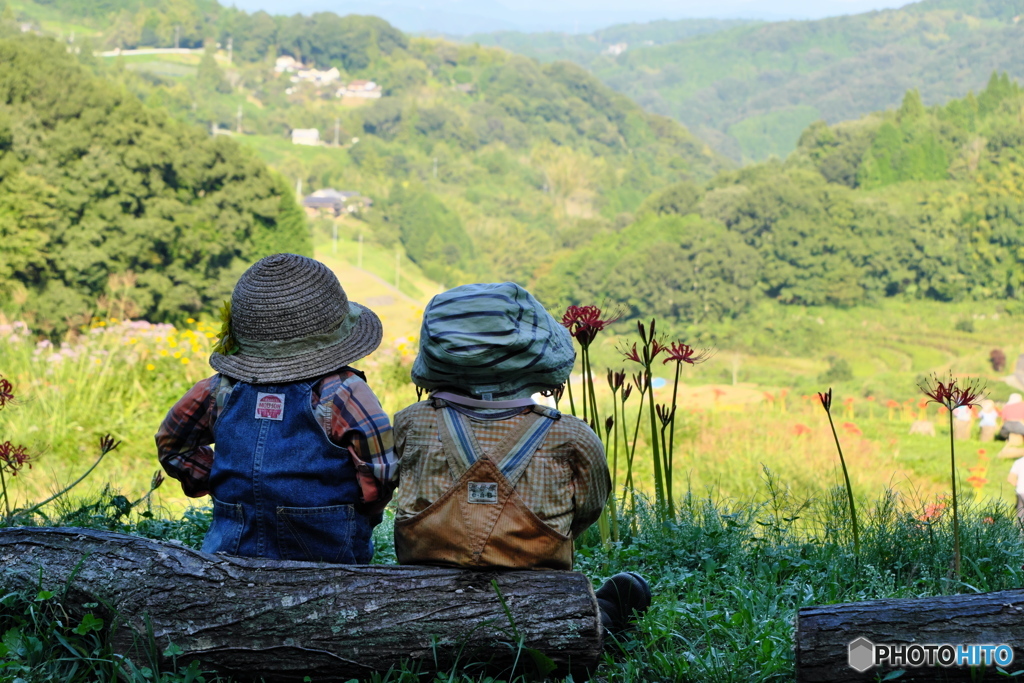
{"x": 364, "y": 340}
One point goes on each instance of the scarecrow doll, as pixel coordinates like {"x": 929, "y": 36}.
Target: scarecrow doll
{"x": 489, "y": 478}
{"x": 303, "y": 465}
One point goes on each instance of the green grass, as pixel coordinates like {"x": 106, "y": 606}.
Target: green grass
{"x": 727, "y": 574}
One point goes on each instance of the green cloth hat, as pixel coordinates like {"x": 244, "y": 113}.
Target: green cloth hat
{"x": 494, "y": 341}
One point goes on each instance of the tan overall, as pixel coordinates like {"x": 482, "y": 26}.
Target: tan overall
{"x": 481, "y": 521}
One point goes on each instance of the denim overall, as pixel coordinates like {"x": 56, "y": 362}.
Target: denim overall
{"x": 281, "y": 489}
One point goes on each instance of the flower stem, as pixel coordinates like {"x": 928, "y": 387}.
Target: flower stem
{"x": 615, "y": 467}
{"x": 659, "y": 483}
{"x": 849, "y": 487}
{"x": 956, "y": 515}
{"x": 67, "y": 488}
{"x": 568, "y": 388}
{"x": 671, "y": 440}
{"x": 3, "y": 485}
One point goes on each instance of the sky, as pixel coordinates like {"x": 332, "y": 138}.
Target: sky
{"x": 455, "y": 17}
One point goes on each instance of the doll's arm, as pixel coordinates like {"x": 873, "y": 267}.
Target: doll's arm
{"x": 184, "y": 438}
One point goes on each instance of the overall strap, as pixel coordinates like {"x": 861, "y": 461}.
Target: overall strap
{"x": 511, "y": 455}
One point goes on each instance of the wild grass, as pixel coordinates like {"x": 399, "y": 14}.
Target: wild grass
{"x": 728, "y": 576}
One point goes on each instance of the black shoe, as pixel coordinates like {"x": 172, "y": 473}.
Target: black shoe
{"x": 623, "y": 599}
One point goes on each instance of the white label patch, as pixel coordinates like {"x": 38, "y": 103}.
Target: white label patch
{"x": 483, "y": 492}
{"x": 269, "y": 406}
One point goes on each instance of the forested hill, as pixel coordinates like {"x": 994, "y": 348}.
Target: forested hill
{"x": 109, "y": 207}
{"x": 914, "y": 203}
{"x": 479, "y": 163}
{"x": 752, "y": 89}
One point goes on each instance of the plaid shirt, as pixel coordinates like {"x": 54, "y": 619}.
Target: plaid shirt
{"x": 566, "y": 483}
{"x": 346, "y": 408}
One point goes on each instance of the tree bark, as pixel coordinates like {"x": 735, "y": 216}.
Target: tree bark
{"x": 823, "y": 634}
{"x": 281, "y": 621}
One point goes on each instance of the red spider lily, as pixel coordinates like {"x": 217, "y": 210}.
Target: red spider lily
{"x": 616, "y": 380}
{"x": 108, "y": 444}
{"x": 976, "y": 481}
{"x": 932, "y": 511}
{"x": 950, "y": 393}
{"x": 6, "y": 392}
{"x": 609, "y": 423}
{"x": 989, "y": 520}
{"x": 718, "y": 393}
{"x": 826, "y": 400}
{"x": 769, "y": 397}
{"x": 584, "y": 322}
{"x": 626, "y": 391}
{"x": 665, "y": 414}
{"x": 13, "y": 458}
{"x": 982, "y": 451}
{"x": 852, "y": 428}
{"x": 801, "y": 429}
{"x": 632, "y": 354}
{"x": 684, "y": 353}
{"x": 656, "y": 348}
{"x": 870, "y": 398}
{"x": 892, "y": 404}
{"x": 639, "y": 382}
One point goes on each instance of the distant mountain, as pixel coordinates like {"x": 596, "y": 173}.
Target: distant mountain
{"x": 589, "y": 48}
{"x": 750, "y": 90}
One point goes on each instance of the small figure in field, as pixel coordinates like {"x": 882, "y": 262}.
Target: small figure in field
{"x": 963, "y": 418}
{"x": 923, "y": 427}
{"x": 488, "y": 477}
{"x": 1013, "y": 418}
{"x": 1016, "y": 479}
{"x": 304, "y": 463}
{"x": 988, "y": 420}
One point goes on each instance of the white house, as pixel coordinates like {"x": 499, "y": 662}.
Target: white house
{"x": 360, "y": 88}
{"x": 286, "y": 63}
{"x": 306, "y": 136}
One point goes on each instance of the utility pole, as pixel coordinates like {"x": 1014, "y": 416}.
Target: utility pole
{"x": 298, "y": 189}
{"x": 337, "y": 131}
{"x": 360, "y": 250}
{"x": 177, "y": 36}
{"x": 239, "y": 129}
{"x": 334, "y": 245}
{"x": 231, "y": 44}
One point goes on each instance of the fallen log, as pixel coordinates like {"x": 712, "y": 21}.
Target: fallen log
{"x": 282, "y": 621}
{"x": 824, "y": 635}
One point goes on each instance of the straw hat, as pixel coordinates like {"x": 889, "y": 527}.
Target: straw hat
{"x": 290, "y": 320}
{"x": 494, "y": 341}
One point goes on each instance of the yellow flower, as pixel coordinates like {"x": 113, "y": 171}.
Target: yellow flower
{"x": 177, "y": 354}
{"x": 184, "y": 361}
{"x": 210, "y": 335}
{"x": 133, "y": 340}
{"x": 195, "y": 348}
{"x": 190, "y": 320}
{"x": 173, "y": 344}
{"x": 164, "y": 352}
{"x": 150, "y": 366}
